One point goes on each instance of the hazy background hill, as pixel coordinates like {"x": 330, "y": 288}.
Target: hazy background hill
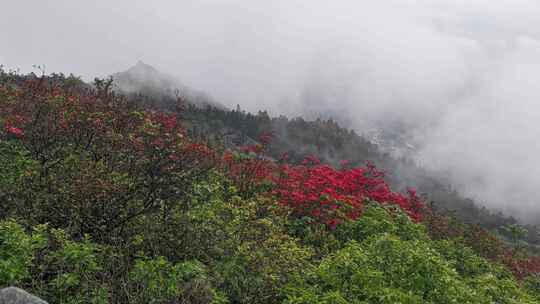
{"x": 162, "y": 88}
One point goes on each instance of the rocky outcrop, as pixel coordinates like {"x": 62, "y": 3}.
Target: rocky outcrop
{"x": 14, "y": 295}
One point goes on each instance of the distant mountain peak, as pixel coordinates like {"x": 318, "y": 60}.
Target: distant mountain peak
{"x": 147, "y": 80}
{"x": 141, "y": 67}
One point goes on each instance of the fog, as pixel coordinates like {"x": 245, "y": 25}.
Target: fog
{"x": 459, "y": 79}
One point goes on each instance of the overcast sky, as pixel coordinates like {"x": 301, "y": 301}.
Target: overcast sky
{"x": 462, "y": 75}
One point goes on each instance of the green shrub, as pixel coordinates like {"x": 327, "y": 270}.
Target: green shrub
{"x": 15, "y": 165}
{"x": 17, "y": 252}
{"x": 76, "y": 270}
{"x": 391, "y": 260}
{"x": 532, "y": 285}
{"x": 159, "y": 281}
{"x": 377, "y": 219}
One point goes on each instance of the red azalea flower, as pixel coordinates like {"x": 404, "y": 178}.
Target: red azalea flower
{"x": 14, "y": 131}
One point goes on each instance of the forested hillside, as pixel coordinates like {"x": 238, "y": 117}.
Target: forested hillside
{"x": 105, "y": 199}
{"x": 298, "y": 138}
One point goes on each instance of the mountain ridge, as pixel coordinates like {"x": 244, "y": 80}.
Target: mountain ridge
{"x": 144, "y": 79}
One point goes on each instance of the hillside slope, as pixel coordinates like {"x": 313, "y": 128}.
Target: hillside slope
{"x": 106, "y": 201}
{"x": 298, "y": 138}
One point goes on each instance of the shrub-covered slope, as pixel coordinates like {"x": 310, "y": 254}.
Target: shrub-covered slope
{"x": 106, "y": 201}
{"x": 298, "y": 138}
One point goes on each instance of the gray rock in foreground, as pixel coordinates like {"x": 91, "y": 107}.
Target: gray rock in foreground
{"x": 14, "y": 295}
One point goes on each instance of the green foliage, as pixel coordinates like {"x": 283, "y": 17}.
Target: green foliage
{"x": 391, "y": 260}
{"x": 262, "y": 262}
{"x": 377, "y": 219}
{"x": 159, "y": 281}
{"x": 244, "y": 243}
{"x": 253, "y": 253}
{"x": 489, "y": 289}
{"x": 72, "y": 268}
{"x": 517, "y": 233}
{"x": 317, "y": 235}
{"x": 464, "y": 259}
{"x": 17, "y": 252}
{"x": 14, "y": 163}
{"x": 532, "y": 286}
{"x": 76, "y": 269}
{"x": 387, "y": 271}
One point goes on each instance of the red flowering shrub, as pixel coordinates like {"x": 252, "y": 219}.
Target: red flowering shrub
{"x": 522, "y": 267}
{"x": 266, "y": 138}
{"x": 249, "y": 167}
{"x": 442, "y": 227}
{"x": 103, "y": 161}
{"x": 329, "y": 195}
{"x": 13, "y": 130}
